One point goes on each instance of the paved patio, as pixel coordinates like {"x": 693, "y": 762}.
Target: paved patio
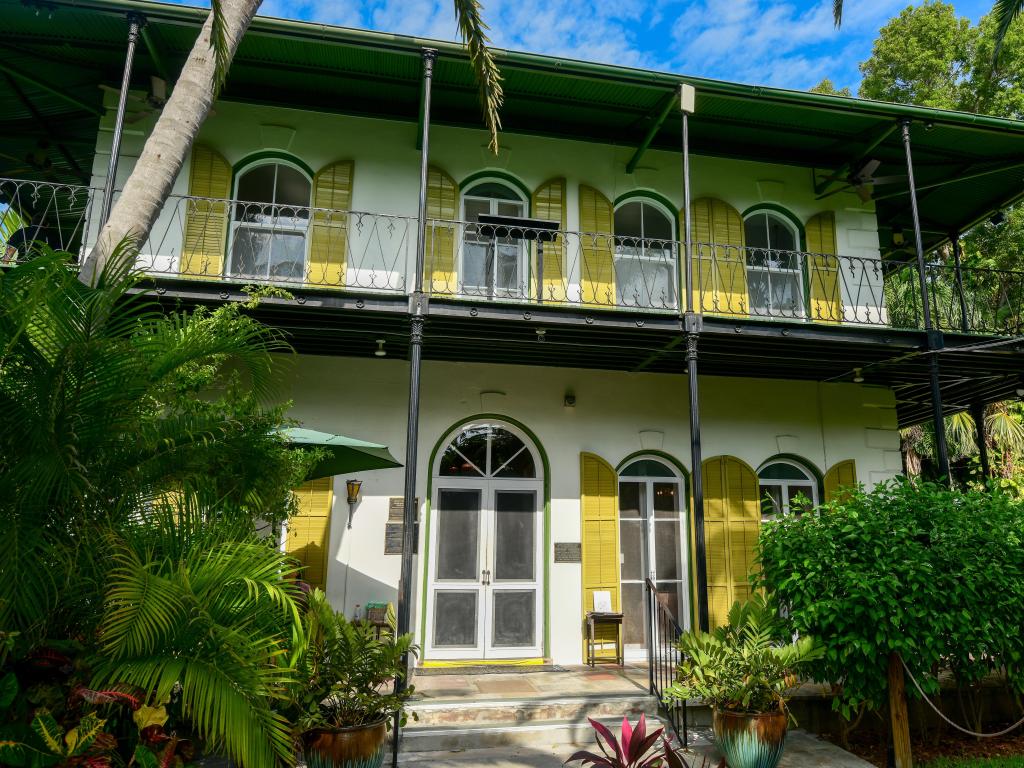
{"x": 527, "y": 684}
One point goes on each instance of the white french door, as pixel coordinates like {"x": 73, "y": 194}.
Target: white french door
{"x": 485, "y": 573}
{"x": 652, "y": 539}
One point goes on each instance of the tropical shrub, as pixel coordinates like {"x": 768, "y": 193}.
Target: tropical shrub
{"x": 932, "y": 573}
{"x": 346, "y": 671}
{"x": 636, "y": 748}
{"x": 745, "y": 666}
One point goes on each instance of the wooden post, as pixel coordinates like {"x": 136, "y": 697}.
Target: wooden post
{"x": 898, "y": 713}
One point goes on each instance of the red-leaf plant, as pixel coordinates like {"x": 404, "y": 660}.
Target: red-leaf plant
{"x": 634, "y": 749}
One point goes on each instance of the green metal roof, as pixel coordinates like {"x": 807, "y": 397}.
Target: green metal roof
{"x": 72, "y": 46}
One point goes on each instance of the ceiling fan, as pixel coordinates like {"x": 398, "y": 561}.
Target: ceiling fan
{"x": 862, "y": 180}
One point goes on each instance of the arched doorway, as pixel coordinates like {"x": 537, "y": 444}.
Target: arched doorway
{"x": 486, "y": 563}
{"x": 652, "y": 542}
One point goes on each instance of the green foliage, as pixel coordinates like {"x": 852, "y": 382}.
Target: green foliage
{"x": 931, "y": 573}
{"x": 828, "y": 88}
{"x": 345, "y": 670}
{"x": 745, "y": 666}
{"x": 975, "y": 762}
{"x": 635, "y": 748}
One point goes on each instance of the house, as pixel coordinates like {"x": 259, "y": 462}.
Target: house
{"x": 583, "y": 356}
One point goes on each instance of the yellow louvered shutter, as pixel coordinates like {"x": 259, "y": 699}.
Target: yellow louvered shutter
{"x": 840, "y": 476}
{"x": 328, "y": 241}
{"x": 309, "y": 530}
{"x": 732, "y": 520}
{"x": 442, "y": 211}
{"x": 719, "y": 259}
{"x": 599, "y": 505}
{"x": 206, "y": 221}
{"x": 826, "y": 298}
{"x": 597, "y": 264}
{"x": 549, "y": 203}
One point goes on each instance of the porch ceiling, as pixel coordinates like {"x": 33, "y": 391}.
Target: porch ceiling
{"x": 967, "y": 165}
{"x": 460, "y": 332}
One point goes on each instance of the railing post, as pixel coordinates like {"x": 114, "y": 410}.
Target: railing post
{"x": 934, "y": 338}
{"x": 959, "y": 276}
{"x": 135, "y": 24}
{"x": 651, "y": 635}
{"x": 417, "y": 309}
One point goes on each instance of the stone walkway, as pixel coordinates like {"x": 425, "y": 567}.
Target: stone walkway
{"x": 576, "y": 681}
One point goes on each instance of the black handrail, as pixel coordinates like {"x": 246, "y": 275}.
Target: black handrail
{"x": 663, "y": 658}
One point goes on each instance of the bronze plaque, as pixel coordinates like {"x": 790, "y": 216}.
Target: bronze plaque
{"x": 393, "y": 534}
{"x": 568, "y": 552}
{"x": 396, "y": 508}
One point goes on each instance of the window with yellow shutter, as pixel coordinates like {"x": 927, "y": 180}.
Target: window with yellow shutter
{"x": 307, "y": 533}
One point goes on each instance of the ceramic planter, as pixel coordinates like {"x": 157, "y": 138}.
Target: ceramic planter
{"x": 750, "y": 741}
{"x": 358, "y": 746}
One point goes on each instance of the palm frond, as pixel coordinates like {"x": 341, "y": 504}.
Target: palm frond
{"x": 488, "y": 77}
{"x": 1005, "y": 12}
{"x": 837, "y": 12}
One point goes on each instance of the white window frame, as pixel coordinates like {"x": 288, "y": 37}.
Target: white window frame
{"x": 800, "y": 272}
{"x": 642, "y": 256}
{"x": 280, "y": 224}
{"x": 811, "y": 485}
{"x": 522, "y": 289}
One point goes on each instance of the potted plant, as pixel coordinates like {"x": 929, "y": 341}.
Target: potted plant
{"x": 636, "y": 748}
{"x": 347, "y": 699}
{"x": 743, "y": 672}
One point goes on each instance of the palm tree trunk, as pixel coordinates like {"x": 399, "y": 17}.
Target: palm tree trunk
{"x": 168, "y": 145}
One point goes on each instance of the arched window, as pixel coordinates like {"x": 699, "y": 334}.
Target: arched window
{"x": 652, "y": 544}
{"x": 782, "y": 481}
{"x": 775, "y": 268}
{"x": 645, "y": 263}
{"x": 487, "y": 450}
{"x": 270, "y": 221}
{"x": 492, "y": 266}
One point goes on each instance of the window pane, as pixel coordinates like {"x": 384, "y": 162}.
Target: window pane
{"x": 666, "y": 549}
{"x": 257, "y": 184}
{"x": 515, "y": 534}
{"x": 458, "y": 533}
{"x": 631, "y": 546}
{"x": 504, "y": 445}
{"x": 755, "y": 231}
{"x": 475, "y": 207}
{"x": 476, "y": 268}
{"x": 292, "y": 188}
{"x": 646, "y": 468}
{"x": 288, "y": 256}
{"x": 780, "y": 234}
{"x": 521, "y": 465}
{"x": 633, "y": 614}
{"x": 796, "y": 490}
{"x": 515, "y": 616}
{"x": 787, "y": 292}
{"x": 771, "y": 500}
{"x": 657, "y": 225}
{"x": 250, "y": 252}
{"x": 628, "y": 222}
{"x": 666, "y": 500}
{"x": 759, "y": 291}
{"x": 510, "y": 209}
{"x": 781, "y": 470}
{"x": 472, "y": 444}
{"x": 631, "y": 500}
{"x": 455, "y": 618}
{"x": 507, "y": 278}
{"x": 493, "y": 189}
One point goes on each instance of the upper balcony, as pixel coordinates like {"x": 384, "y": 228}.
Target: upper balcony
{"x": 306, "y": 249}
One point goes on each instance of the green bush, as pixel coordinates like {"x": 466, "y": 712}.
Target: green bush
{"x": 934, "y": 574}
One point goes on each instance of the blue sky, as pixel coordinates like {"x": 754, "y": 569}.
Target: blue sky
{"x": 785, "y": 43}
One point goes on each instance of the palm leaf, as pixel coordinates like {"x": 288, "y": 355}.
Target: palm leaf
{"x": 488, "y": 78}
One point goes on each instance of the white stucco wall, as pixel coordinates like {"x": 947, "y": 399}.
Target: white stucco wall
{"x": 752, "y": 419}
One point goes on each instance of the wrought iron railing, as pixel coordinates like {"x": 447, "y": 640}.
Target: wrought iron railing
{"x": 663, "y": 658}
{"x": 299, "y": 246}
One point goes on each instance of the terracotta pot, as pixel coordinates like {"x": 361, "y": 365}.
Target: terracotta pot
{"x": 750, "y": 741}
{"x": 358, "y": 746}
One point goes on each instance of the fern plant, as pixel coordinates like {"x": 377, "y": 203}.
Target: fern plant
{"x": 746, "y": 666}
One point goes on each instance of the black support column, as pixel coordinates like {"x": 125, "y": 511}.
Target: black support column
{"x": 978, "y": 414}
{"x": 934, "y": 337}
{"x": 692, "y": 323}
{"x": 135, "y": 23}
{"x": 417, "y": 311}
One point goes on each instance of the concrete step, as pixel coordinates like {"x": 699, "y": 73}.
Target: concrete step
{"x": 465, "y": 713}
{"x": 545, "y": 735}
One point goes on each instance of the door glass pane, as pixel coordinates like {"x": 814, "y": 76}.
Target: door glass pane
{"x": 631, "y": 543}
{"x": 631, "y": 500}
{"x": 515, "y": 617}
{"x": 666, "y": 549}
{"x": 515, "y": 532}
{"x": 467, "y": 454}
{"x": 670, "y": 596}
{"x": 458, "y": 533}
{"x": 455, "y": 619}
{"x": 633, "y": 614}
{"x": 666, "y": 500}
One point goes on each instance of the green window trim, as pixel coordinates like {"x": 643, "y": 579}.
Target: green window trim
{"x": 494, "y": 173}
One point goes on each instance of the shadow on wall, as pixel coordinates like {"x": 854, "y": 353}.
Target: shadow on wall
{"x": 352, "y": 589}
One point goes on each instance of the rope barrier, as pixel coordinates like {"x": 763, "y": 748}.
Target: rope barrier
{"x": 937, "y": 711}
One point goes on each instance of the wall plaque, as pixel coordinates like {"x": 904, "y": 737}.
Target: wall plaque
{"x": 568, "y": 552}
{"x": 396, "y": 508}
{"x": 393, "y": 534}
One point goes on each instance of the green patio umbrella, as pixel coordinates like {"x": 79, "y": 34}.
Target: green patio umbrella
{"x": 344, "y": 454}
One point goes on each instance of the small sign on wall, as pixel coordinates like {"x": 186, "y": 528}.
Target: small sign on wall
{"x": 393, "y": 535}
{"x": 568, "y": 552}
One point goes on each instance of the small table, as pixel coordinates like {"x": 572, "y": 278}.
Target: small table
{"x": 595, "y": 620}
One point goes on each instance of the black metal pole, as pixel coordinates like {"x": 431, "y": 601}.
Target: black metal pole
{"x": 958, "y": 274}
{"x": 978, "y": 414}
{"x": 417, "y": 310}
{"x": 135, "y": 23}
{"x": 934, "y": 337}
{"x": 692, "y": 327}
